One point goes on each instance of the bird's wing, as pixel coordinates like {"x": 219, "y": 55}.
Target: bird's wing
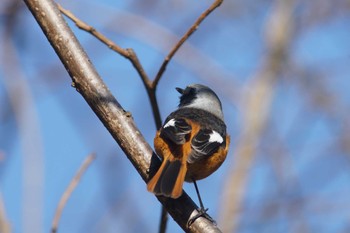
{"x": 176, "y": 129}
{"x": 205, "y": 143}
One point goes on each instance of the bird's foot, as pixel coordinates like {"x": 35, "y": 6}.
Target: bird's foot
{"x": 201, "y": 213}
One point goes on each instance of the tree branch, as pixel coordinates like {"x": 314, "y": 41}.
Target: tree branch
{"x": 128, "y": 54}
{"x": 190, "y": 31}
{"x": 69, "y": 191}
{"x": 120, "y": 124}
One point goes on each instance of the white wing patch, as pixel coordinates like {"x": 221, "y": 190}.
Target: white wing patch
{"x": 215, "y": 137}
{"x": 170, "y": 123}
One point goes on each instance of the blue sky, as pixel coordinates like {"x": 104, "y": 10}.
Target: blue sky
{"x": 299, "y": 179}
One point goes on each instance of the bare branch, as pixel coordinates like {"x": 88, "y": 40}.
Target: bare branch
{"x": 4, "y": 224}
{"x": 127, "y": 53}
{"x": 72, "y": 185}
{"x": 120, "y": 124}
{"x": 84, "y": 26}
{"x": 194, "y": 27}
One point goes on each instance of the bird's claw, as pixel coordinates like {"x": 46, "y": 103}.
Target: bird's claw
{"x": 201, "y": 213}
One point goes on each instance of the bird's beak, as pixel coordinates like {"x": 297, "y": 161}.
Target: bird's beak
{"x": 180, "y": 90}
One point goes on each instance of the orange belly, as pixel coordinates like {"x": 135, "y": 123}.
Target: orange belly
{"x": 205, "y": 167}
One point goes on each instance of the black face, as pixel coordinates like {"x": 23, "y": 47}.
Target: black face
{"x": 187, "y": 95}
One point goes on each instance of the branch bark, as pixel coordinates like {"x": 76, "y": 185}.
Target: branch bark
{"x": 118, "y": 122}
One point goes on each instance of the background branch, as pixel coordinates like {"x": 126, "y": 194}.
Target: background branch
{"x": 4, "y": 223}
{"x": 22, "y": 102}
{"x": 72, "y": 185}
{"x": 121, "y": 126}
{"x": 256, "y": 110}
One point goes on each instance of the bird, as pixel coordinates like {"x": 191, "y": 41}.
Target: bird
{"x": 192, "y": 142}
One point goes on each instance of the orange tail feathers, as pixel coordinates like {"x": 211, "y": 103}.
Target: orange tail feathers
{"x": 169, "y": 178}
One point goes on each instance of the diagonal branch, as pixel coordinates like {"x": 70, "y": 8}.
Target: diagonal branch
{"x": 126, "y": 53}
{"x": 74, "y": 182}
{"x": 120, "y": 124}
{"x": 85, "y": 27}
{"x": 192, "y": 29}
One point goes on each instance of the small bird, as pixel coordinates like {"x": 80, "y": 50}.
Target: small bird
{"x": 192, "y": 142}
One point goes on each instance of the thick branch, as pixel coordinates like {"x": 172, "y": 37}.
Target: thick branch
{"x": 119, "y": 123}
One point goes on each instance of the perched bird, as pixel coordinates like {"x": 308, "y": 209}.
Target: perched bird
{"x": 192, "y": 142}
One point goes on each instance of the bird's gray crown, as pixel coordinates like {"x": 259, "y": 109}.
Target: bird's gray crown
{"x": 201, "y": 97}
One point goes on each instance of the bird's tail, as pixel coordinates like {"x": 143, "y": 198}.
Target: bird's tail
{"x": 169, "y": 178}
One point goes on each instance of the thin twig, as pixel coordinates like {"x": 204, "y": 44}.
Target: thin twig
{"x": 126, "y": 53}
{"x": 85, "y": 27}
{"x": 72, "y": 185}
{"x": 192, "y": 29}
